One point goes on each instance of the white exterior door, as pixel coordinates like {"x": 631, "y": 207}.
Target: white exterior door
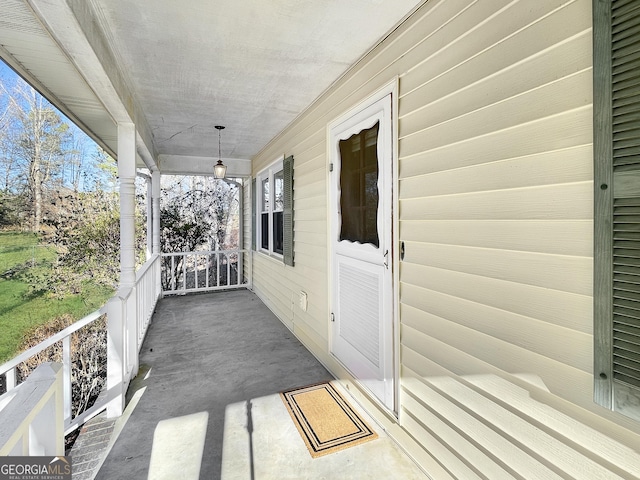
{"x": 361, "y": 183}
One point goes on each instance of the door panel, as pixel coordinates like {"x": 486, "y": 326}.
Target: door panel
{"x": 358, "y": 337}
{"x": 361, "y": 235}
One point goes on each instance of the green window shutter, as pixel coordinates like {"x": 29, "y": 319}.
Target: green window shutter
{"x": 617, "y": 200}
{"x": 287, "y": 168}
{"x": 254, "y": 206}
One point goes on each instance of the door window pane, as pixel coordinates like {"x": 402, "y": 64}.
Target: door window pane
{"x": 359, "y": 195}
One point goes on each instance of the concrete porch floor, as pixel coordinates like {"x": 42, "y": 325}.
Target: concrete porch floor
{"x": 207, "y": 399}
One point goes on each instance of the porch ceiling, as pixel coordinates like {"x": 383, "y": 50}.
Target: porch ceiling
{"x": 179, "y": 68}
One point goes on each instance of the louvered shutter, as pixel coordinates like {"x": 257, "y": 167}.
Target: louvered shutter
{"x": 617, "y": 202}
{"x": 625, "y": 80}
{"x": 287, "y": 168}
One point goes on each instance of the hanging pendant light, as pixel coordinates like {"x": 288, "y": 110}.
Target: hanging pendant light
{"x": 219, "y": 169}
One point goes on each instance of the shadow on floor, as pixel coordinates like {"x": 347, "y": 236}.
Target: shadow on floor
{"x": 203, "y": 353}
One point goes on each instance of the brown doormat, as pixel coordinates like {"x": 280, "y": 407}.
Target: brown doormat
{"x": 325, "y": 420}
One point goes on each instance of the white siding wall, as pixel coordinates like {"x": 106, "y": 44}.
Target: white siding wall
{"x": 495, "y": 189}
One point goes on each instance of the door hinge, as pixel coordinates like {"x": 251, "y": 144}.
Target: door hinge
{"x": 333, "y": 317}
{"x": 386, "y": 259}
{"x": 331, "y": 167}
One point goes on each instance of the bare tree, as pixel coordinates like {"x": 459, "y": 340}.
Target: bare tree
{"x": 7, "y": 157}
{"x": 224, "y": 210}
{"x": 197, "y": 214}
{"x": 40, "y": 145}
{"x": 35, "y": 144}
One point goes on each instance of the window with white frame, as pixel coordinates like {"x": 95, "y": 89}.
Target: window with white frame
{"x": 270, "y": 197}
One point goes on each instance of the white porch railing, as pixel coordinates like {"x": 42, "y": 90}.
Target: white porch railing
{"x": 39, "y": 431}
{"x": 128, "y": 315}
{"x": 204, "y": 271}
{"x": 148, "y": 291}
{"x": 9, "y": 369}
{"x": 134, "y": 307}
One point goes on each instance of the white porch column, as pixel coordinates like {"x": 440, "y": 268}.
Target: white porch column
{"x": 149, "y": 217}
{"x": 127, "y": 176}
{"x": 122, "y": 354}
{"x": 155, "y": 194}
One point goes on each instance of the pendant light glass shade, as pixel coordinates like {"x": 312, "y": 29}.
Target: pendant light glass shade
{"x": 219, "y": 169}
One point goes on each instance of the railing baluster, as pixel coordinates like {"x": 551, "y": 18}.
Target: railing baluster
{"x": 238, "y": 264}
{"x": 208, "y": 264}
{"x": 140, "y": 294}
{"x": 217, "y": 269}
{"x": 66, "y": 378}
{"x": 184, "y": 272}
{"x": 228, "y": 270}
{"x": 195, "y": 272}
{"x": 173, "y": 272}
{"x": 144, "y": 300}
{"x": 10, "y": 379}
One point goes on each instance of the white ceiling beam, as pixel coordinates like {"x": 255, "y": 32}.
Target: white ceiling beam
{"x": 188, "y": 165}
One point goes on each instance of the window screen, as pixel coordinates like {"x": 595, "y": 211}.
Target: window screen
{"x": 359, "y": 197}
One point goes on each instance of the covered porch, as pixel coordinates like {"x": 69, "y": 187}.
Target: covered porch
{"x": 493, "y": 347}
{"x": 222, "y": 358}
{"x": 153, "y": 105}
{"x": 151, "y": 86}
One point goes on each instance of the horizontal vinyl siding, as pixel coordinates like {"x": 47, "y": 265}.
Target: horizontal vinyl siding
{"x": 496, "y": 214}
{"x": 278, "y": 285}
{"x": 543, "y": 236}
{"x": 468, "y": 107}
{"x": 549, "y": 306}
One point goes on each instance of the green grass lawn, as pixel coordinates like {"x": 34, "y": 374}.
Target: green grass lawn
{"x": 20, "y": 311}
{"x": 17, "y": 248}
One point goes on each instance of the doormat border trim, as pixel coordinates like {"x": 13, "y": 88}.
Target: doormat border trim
{"x": 316, "y": 447}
